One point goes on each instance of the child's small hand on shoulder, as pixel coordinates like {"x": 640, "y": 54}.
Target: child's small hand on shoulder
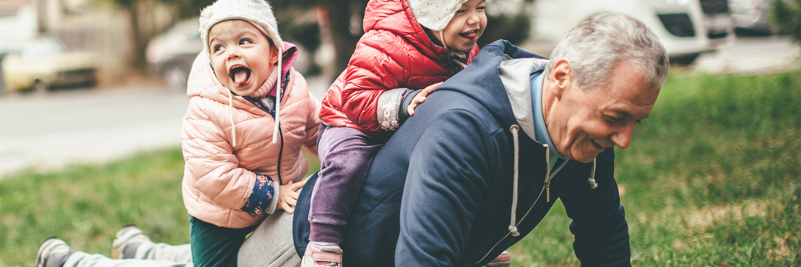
{"x": 421, "y": 97}
{"x": 288, "y": 197}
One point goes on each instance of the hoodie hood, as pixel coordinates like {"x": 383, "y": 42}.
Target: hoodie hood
{"x": 515, "y": 73}
{"x": 482, "y": 85}
{"x": 288, "y": 58}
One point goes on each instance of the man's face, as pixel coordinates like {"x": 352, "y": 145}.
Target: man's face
{"x": 241, "y": 55}
{"x": 583, "y": 122}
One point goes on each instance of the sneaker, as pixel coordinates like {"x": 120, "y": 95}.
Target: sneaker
{"x": 326, "y": 256}
{"x": 503, "y": 260}
{"x": 127, "y": 240}
{"x": 53, "y": 252}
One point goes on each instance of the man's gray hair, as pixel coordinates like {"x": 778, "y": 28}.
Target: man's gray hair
{"x": 595, "y": 46}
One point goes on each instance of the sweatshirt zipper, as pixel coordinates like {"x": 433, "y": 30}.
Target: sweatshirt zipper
{"x": 517, "y": 224}
{"x": 545, "y": 187}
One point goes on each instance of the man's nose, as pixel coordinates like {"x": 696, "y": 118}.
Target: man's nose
{"x": 622, "y": 138}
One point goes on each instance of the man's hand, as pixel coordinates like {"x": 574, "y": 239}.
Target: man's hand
{"x": 288, "y": 197}
{"x": 421, "y": 97}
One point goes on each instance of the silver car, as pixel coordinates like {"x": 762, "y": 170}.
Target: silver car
{"x": 171, "y": 54}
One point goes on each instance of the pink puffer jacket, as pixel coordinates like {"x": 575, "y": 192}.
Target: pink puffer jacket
{"x": 218, "y": 178}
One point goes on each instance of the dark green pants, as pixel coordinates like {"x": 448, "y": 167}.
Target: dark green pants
{"x": 213, "y": 245}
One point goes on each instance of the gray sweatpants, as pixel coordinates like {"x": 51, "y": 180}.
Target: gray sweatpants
{"x": 269, "y": 245}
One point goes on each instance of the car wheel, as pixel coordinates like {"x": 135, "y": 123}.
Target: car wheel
{"x": 40, "y": 87}
{"x": 175, "y": 77}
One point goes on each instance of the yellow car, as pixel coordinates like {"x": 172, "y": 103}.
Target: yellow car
{"x": 44, "y": 62}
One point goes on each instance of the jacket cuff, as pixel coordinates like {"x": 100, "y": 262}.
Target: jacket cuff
{"x": 261, "y": 197}
{"x": 274, "y": 204}
{"x": 389, "y": 107}
{"x": 408, "y": 96}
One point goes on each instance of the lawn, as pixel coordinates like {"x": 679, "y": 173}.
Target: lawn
{"x": 712, "y": 178}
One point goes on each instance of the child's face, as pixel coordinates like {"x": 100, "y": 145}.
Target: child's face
{"x": 466, "y": 26}
{"x": 241, "y": 55}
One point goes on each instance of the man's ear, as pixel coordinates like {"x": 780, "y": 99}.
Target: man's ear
{"x": 560, "y": 77}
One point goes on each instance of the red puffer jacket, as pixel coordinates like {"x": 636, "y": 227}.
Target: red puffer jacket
{"x": 394, "y": 52}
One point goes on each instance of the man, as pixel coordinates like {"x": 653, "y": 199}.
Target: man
{"x": 490, "y": 151}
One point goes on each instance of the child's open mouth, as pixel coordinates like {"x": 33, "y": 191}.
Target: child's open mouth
{"x": 240, "y": 75}
{"x": 469, "y": 34}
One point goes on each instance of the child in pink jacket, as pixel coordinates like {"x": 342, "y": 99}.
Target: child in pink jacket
{"x": 249, "y": 114}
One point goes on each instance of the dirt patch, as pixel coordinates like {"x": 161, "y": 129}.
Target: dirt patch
{"x": 707, "y": 216}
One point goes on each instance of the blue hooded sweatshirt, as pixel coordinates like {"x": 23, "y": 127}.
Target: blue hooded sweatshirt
{"x": 444, "y": 188}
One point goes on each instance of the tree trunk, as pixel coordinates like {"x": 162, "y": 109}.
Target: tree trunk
{"x": 339, "y": 13}
{"x": 138, "y": 39}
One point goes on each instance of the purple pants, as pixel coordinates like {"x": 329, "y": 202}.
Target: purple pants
{"x": 345, "y": 157}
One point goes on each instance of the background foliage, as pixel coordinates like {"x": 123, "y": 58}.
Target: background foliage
{"x": 787, "y": 16}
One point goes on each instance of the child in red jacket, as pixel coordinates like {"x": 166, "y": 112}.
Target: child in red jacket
{"x": 409, "y": 47}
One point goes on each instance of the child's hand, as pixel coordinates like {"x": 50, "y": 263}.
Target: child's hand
{"x": 421, "y": 97}
{"x": 288, "y": 197}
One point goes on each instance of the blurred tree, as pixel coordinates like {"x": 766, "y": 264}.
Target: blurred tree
{"x": 143, "y": 28}
{"x": 139, "y": 38}
{"x": 787, "y": 17}
{"x": 297, "y": 23}
{"x": 188, "y": 8}
{"x": 507, "y": 19}
{"x": 344, "y": 21}
{"x": 307, "y": 22}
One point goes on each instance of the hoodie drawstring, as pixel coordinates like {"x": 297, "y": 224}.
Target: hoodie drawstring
{"x": 278, "y": 95}
{"x": 548, "y": 176}
{"x": 512, "y": 228}
{"x": 547, "y": 173}
{"x": 231, "y": 115}
{"x": 591, "y": 180}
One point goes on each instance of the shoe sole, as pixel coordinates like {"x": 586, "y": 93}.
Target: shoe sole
{"x": 120, "y": 239}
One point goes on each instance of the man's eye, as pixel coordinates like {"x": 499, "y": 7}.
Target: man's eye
{"x": 613, "y": 119}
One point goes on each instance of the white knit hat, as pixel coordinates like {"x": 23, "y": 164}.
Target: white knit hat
{"x": 260, "y": 15}
{"x": 257, "y": 12}
{"x": 435, "y": 14}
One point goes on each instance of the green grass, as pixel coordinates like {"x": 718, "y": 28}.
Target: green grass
{"x": 713, "y": 178}
{"x": 86, "y": 205}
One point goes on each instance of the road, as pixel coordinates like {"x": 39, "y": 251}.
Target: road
{"x": 48, "y": 132}
{"x": 751, "y": 55}
{"x": 86, "y": 126}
